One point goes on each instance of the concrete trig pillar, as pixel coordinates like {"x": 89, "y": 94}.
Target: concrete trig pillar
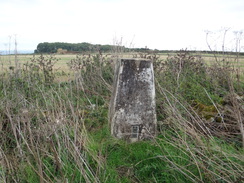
{"x": 132, "y": 111}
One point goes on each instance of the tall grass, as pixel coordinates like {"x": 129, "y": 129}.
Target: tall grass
{"x": 58, "y": 131}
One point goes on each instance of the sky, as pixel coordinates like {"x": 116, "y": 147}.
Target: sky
{"x": 155, "y": 24}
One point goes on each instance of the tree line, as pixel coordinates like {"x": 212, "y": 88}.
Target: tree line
{"x": 47, "y": 47}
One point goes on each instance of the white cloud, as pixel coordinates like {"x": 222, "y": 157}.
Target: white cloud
{"x": 160, "y": 24}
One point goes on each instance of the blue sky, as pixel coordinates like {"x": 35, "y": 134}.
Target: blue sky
{"x": 157, "y": 24}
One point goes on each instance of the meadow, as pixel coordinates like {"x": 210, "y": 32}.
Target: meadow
{"x": 7, "y": 60}
{"x": 54, "y": 120}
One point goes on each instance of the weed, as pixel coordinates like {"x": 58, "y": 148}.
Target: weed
{"x": 58, "y": 131}
{"x": 41, "y": 67}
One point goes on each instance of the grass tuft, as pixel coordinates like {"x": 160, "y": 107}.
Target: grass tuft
{"x": 56, "y": 130}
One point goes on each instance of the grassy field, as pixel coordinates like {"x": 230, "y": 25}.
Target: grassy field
{"x": 23, "y": 59}
{"x": 54, "y": 123}
{"x": 64, "y": 59}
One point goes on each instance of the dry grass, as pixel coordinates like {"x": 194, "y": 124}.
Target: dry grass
{"x": 64, "y": 59}
{"x": 57, "y": 132}
{"x": 23, "y": 59}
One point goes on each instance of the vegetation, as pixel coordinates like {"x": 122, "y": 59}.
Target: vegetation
{"x": 47, "y": 47}
{"x": 58, "y": 131}
{"x": 76, "y": 48}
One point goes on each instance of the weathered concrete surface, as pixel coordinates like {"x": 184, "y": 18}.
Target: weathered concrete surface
{"x": 132, "y": 109}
